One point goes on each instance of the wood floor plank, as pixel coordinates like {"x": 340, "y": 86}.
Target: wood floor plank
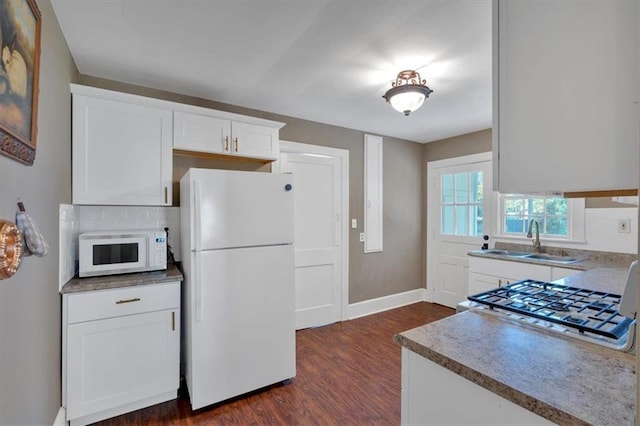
{"x": 348, "y": 373}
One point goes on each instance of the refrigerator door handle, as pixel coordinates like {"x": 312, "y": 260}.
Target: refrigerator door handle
{"x": 197, "y": 286}
{"x": 197, "y": 238}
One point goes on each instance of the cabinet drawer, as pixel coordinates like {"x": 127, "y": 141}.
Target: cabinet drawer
{"x": 101, "y": 304}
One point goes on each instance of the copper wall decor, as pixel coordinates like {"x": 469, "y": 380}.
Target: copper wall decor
{"x": 10, "y": 248}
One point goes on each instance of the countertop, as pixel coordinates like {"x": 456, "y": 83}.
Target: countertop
{"x": 566, "y": 381}
{"x": 76, "y": 284}
{"x": 589, "y": 259}
{"x": 563, "y": 379}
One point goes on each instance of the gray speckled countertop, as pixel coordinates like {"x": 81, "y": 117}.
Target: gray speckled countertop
{"x": 563, "y": 379}
{"x": 172, "y": 273}
{"x": 566, "y": 381}
{"x": 589, "y": 259}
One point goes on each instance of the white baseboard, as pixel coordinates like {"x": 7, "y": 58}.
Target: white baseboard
{"x": 60, "y": 418}
{"x": 368, "y": 307}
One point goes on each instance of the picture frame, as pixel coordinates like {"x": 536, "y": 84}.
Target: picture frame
{"x": 20, "y": 25}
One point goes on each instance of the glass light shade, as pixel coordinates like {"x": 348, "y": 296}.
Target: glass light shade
{"x": 408, "y": 92}
{"x": 407, "y": 102}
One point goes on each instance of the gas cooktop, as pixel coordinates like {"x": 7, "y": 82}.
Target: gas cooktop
{"x": 587, "y": 311}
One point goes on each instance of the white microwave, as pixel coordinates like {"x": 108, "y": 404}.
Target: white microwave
{"x": 122, "y": 252}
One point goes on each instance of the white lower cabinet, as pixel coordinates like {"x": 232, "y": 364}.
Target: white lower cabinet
{"x": 487, "y": 274}
{"x": 121, "y": 350}
{"x": 434, "y": 395}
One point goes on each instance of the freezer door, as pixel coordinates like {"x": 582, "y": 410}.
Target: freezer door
{"x": 241, "y": 312}
{"x": 240, "y": 209}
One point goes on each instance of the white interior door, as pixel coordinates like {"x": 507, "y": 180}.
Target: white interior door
{"x": 460, "y": 213}
{"x": 320, "y": 231}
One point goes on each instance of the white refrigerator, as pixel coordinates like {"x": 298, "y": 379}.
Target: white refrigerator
{"x": 237, "y": 252}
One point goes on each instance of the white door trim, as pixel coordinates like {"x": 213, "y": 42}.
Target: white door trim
{"x": 343, "y": 154}
{"x": 431, "y": 168}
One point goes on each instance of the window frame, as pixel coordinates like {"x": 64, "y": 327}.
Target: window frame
{"x": 575, "y": 220}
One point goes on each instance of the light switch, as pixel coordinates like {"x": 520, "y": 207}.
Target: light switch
{"x": 354, "y": 223}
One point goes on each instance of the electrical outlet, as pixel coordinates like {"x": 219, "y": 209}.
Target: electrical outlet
{"x": 354, "y": 223}
{"x": 623, "y": 226}
{"x": 362, "y": 237}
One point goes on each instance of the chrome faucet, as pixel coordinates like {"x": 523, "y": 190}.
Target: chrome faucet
{"x": 536, "y": 243}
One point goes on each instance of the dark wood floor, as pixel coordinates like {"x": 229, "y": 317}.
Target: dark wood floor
{"x": 347, "y": 374}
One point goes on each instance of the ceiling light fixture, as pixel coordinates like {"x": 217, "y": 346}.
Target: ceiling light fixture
{"x": 408, "y": 92}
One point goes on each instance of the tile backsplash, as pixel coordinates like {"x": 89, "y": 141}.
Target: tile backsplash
{"x": 69, "y": 230}
{"x": 75, "y": 219}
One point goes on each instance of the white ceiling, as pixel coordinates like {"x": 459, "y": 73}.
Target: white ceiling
{"x": 323, "y": 60}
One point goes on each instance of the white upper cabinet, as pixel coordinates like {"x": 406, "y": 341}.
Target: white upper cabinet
{"x": 214, "y": 135}
{"x": 255, "y": 141}
{"x": 123, "y": 144}
{"x": 121, "y": 152}
{"x": 195, "y": 132}
{"x": 565, "y": 95}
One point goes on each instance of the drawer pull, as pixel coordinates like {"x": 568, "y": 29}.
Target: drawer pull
{"x": 226, "y": 143}
{"x": 135, "y": 299}
{"x": 237, "y": 144}
{"x": 173, "y": 321}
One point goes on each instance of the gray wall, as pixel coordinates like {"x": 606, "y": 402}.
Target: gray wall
{"x": 29, "y": 301}
{"x": 399, "y": 267}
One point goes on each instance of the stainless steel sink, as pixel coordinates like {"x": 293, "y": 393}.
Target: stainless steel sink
{"x": 528, "y": 255}
{"x": 509, "y": 253}
{"x": 552, "y": 258}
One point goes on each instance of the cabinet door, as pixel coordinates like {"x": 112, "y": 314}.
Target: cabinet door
{"x": 254, "y": 141}
{"x": 121, "y": 153}
{"x": 479, "y": 283}
{"x": 566, "y": 95}
{"x": 193, "y": 132}
{"x": 116, "y": 361}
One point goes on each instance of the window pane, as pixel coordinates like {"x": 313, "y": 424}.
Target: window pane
{"x": 462, "y": 187}
{"x": 557, "y": 226}
{"x": 461, "y": 220}
{"x": 447, "y": 189}
{"x": 475, "y": 220}
{"x": 514, "y": 224}
{"x": 513, "y": 206}
{"x": 447, "y": 220}
{"x": 556, "y": 206}
{"x": 475, "y": 191}
{"x": 535, "y": 206}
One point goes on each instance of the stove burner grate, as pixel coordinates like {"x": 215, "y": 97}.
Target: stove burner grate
{"x": 582, "y": 309}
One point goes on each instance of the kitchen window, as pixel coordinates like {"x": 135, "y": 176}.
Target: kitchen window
{"x": 559, "y": 218}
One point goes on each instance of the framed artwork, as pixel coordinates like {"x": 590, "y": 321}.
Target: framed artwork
{"x": 19, "y": 76}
